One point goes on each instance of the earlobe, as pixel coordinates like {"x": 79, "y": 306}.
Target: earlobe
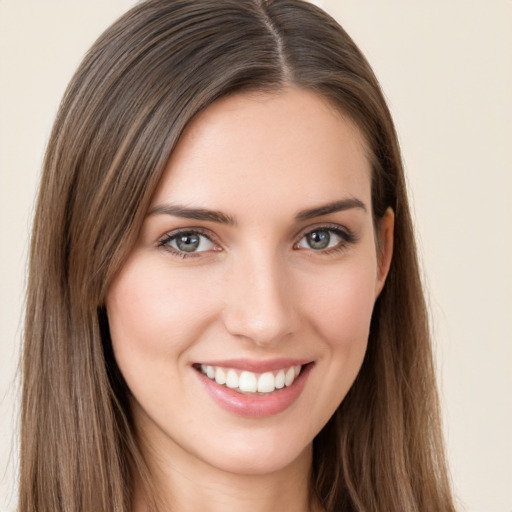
{"x": 385, "y": 240}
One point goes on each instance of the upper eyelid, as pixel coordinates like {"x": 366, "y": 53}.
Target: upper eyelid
{"x": 326, "y": 226}
{"x": 202, "y": 231}
{"x": 169, "y": 235}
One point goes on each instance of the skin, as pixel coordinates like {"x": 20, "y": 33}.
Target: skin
{"x": 256, "y": 290}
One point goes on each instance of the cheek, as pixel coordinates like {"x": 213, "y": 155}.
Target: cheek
{"x": 341, "y": 307}
{"x": 339, "y": 314}
{"x": 153, "y": 318}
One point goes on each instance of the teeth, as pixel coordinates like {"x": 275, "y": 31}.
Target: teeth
{"x": 250, "y": 382}
{"x": 266, "y": 382}
{"x": 290, "y": 376}
{"x": 232, "y": 379}
{"x": 220, "y": 376}
{"x": 280, "y": 377}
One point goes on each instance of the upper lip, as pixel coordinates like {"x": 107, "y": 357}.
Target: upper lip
{"x": 257, "y": 365}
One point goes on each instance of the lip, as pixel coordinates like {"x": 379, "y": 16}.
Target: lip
{"x": 255, "y": 405}
{"x": 257, "y": 366}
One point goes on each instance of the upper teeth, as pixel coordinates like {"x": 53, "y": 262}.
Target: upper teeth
{"x": 248, "y": 382}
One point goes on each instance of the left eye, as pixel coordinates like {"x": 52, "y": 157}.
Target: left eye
{"x": 320, "y": 239}
{"x": 189, "y": 242}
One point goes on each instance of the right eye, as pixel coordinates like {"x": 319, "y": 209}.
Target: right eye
{"x": 187, "y": 243}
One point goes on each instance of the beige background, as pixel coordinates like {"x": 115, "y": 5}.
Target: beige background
{"x": 446, "y": 68}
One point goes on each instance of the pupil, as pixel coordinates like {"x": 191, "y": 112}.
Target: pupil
{"x": 318, "y": 239}
{"x": 187, "y": 242}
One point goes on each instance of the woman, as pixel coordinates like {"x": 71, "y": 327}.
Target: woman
{"x": 224, "y": 306}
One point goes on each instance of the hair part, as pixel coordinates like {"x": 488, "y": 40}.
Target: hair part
{"x": 122, "y": 115}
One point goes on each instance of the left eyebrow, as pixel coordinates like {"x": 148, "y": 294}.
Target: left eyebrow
{"x": 336, "y": 206}
{"x": 193, "y": 213}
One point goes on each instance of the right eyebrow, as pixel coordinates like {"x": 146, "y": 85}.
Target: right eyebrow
{"x": 336, "y": 206}
{"x": 177, "y": 210}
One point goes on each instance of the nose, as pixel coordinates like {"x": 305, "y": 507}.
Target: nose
{"x": 259, "y": 303}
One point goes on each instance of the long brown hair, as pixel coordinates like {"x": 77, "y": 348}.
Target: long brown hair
{"x": 138, "y": 87}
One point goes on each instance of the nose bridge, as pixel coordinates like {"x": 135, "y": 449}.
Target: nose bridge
{"x": 259, "y": 303}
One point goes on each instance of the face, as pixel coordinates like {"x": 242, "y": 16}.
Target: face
{"x": 241, "y": 316}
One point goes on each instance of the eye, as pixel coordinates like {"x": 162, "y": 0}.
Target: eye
{"x": 187, "y": 242}
{"x": 322, "y": 239}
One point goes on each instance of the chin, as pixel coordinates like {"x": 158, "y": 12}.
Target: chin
{"x": 259, "y": 460}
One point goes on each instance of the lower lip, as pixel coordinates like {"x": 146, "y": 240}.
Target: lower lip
{"x": 255, "y": 406}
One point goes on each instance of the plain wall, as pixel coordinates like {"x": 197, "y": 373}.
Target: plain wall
{"x": 446, "y": 69}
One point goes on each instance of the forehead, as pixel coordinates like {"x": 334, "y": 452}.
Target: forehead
{"x": 249, "y": 148}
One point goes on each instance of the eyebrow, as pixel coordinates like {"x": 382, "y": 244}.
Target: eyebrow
{"x": 336, "y": 206}
{"x": 193, "y": 213}
{"x": 222, "y": 218}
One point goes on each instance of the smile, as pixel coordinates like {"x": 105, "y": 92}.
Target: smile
{"x": 251, "y": 382}
{"x": 254, "y": 389}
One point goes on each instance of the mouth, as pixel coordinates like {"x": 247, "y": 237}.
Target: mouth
{"x": 254, "y": 389}
{"x": 249, "y": 382}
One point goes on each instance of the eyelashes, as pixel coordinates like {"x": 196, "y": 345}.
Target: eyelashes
{"x": 188, "y": 242}
{"x": 192, "y": 242}
{"x": 326, "y": 239}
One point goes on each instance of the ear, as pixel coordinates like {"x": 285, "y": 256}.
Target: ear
{"x": 384, "y": 233}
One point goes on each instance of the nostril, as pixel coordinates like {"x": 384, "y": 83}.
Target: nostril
{"x": 259, "y": 305}
{"x": 260, "y": 331}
